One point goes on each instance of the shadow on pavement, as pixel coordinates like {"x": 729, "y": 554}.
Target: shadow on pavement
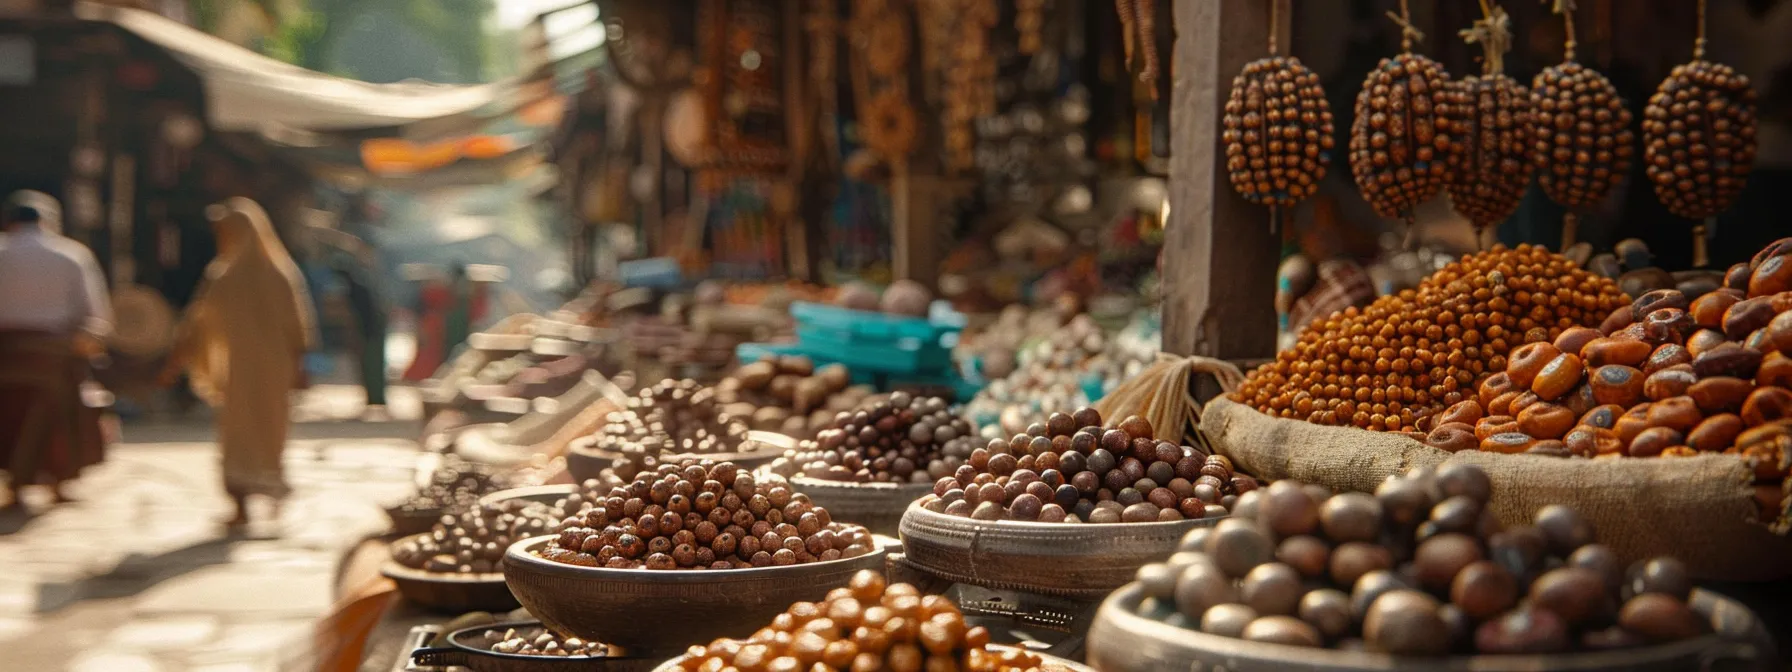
{"x": 137, "y": 573}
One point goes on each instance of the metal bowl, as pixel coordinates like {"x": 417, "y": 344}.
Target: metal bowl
{"x": 877, "y": 506}
{"x": 647, "y": 610}
{"x": 461, "y": 652}
{"x": 1052, "y": 663}
{"x": 1074, "y": 560}
{"x": 451, "y": 593}
{"x": 1123, "y": 641}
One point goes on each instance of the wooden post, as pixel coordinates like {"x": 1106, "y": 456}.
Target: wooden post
{"x": 1219, "y": 255}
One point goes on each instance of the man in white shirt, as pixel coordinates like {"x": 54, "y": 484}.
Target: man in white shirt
{"x": 48, "y": 283}
{"x": 54, "y": 312}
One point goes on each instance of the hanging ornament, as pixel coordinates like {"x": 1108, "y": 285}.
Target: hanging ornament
{"x": 1404, "y": 136}
{"x": 1585, "y": 143}
{"x": 1699, "y": 139}
{"x": 1495, "y": 165}
{"x": 1278, "y": 130}
{"x": 1138, "y": 27}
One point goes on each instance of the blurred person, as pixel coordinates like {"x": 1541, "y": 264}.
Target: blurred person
{"x": 243, "y": 343}
{"x": 54, "y": 314}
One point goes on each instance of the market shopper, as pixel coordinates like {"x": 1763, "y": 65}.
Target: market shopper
{"x": 54, "y": 315}
{"x": 243, "y": 343}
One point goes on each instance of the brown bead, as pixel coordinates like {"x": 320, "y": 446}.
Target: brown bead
{"x": 1452, "y": 437}
{"x": 1523, "y": 401}
{"x": 1558, "y": 377}
{"x": 1468, "y": 412}
{"x": 1715, "y": 433}
{"x": 1666, "y": 356}
{"x": 1502, "y": 405}
{"x": 1668, "y": 325}
{"x": 1585, "y": 441}
{"x": 1776, "y": 370}
{"x": 1497, "y": 424}
{"x": 1771, "y": 276}
{"x": 1617, "y": 384}
{"x": 1670, "y": 383}
{"x": 1604, "y": 417}
{"x": 1525, "y": 363}
{"x": 1545, "y": 421}
{"x": 1494, "y": 386}
{"x": 1608, "y": 351}
{"x": 1745, "y": 316}
{"x": 1767, "y": 404}
{"x": 1575, "y": 339}
{"x": 1618, "y": 319}
{"x": 1509, "y": 442}
{"x": 1708, "y": 310}
{"x": 1728, "y": 359}
{"x": 1703, "y": 340}
{"x": 1653, "y": 440}
{"x": 1680, "y": 413}
{"x": 1779, "y": 333}
{"x": 1720, "y": 393}
{"x": 1633, "y": 422}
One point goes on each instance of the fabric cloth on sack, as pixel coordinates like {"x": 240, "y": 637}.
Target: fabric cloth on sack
{"x": 1700, "y": 509}
{"x": 243, "y": 339}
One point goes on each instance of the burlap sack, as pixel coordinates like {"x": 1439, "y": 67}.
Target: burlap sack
{"x": 1700, "y": 509}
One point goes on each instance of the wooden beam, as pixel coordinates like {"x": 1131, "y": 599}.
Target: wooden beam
{"x": 1219, "y": 255}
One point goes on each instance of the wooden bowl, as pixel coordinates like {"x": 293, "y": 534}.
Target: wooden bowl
{"x": 1121, "y": 640}
{"x": 645, "y": 610}
{"x": 450, "y": 593}
{"x": 1071, "y": 560}
{"x": 1052, "y": 663}
{"x": 545, "y": 494}
{"x": 877, "y": 506}
{"x": 462, "y": 650}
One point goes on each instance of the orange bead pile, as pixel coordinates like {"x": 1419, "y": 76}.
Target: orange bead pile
{"x": 1409, "y": 354}
{"x": 864, "y": 626}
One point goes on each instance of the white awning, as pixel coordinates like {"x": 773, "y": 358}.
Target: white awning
{"x": 246, "y": 91}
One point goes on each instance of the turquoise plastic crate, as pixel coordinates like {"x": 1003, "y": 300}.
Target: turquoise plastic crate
{"x": 879, "y": 342}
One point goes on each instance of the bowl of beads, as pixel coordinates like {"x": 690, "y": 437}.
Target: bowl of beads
{"x": 1419, "y": 575}
{"x": 868, "y": 625}
{"x": 693, "y": 539}
{"x": 667, "y": 422}
{"x": 455, "y": 566}
{"x": 870, "y": 463}
{"x": 1067, "y": 508}
{"x": 524, "y": 646}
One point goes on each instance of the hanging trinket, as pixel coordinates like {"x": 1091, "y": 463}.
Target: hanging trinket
{"x": 1699, "y": 139}
{"x": 1584, "y": 144}
{"x": 1495, "y": 165}
{"x": 1277, "y": 130}
{"x": 1404, "y": 137}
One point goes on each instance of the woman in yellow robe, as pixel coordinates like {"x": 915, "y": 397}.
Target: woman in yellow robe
{"x": 243, "y": 342}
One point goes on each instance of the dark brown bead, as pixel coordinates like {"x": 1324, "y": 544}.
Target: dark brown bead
{"x": 1767, "y": 404}
{"x": 1545, "y": 421}
{"x": 1609, "y": 351}
{"x": 1650, "y": 442}
{"x": 1669, "y": 383}
{"x": 1666, "y": 356}
{"x": 1715, "y": 433}
{"x": 1720, "y": 393}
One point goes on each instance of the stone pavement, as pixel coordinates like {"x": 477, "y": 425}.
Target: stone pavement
{"x": 139, "y": 576}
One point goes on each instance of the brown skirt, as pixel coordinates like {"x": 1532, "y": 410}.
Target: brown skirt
{"x": 47, "y": 433}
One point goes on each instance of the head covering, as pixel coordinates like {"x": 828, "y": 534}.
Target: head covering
{"x": 26, "y": 206}
{"x": 256, "y": 242}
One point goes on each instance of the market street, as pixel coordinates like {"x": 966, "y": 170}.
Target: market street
{"x": 136, "y": 576}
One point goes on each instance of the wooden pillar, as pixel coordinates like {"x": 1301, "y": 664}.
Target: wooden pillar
{"x": 1219, "y": 255}
{"x": 914, "y": 215}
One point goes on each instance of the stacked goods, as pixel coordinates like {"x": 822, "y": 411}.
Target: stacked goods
{"x": 1669, "y": 377}
{"x": 865, "y": 626}
{"x": 454, "y": 486}
{"x": 474, "y": 542}
{"x": 904, "y": 298}
{"x": 1410, "y": 354}
{"x": 900, "y": 439}
{"x": 1071, "y": 470}
{"x": 789, "y": 394}
{"x": 698, "y": 515}
{"x": 674, "y": 418}
{"x": 1420, "y": 568}
{"x": 539, "y": 641}
{"x": 1061, "y": 371}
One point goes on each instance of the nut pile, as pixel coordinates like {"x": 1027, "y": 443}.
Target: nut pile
{"x": 1494, "y": 168}
{"x": 1060, "y": 371}
{"x": 1406, "y": 355}
{"x": 474, "y": 542}
{"x": 865, "y": 626}
{"x": 1278, "y": 132}
{"x": 788, "y": 395}
{"x": 703, "y": 515}
{"x": 1699, "y": 138}
{"x": 1584, "y": 141}
{"x": 1670, "y": 377}
{"x": 674, "y": 417}
{"x": 1419, "y": 568}
{"x": 455, "y": 485}
{"x": 1404, "y": 137}
{"x": 1071, "y": 470}
{"x": 539, "y": 641}
{"x": 902, "y": 438}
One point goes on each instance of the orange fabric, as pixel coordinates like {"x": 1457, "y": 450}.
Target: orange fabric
{"x": 341, "y": 638}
